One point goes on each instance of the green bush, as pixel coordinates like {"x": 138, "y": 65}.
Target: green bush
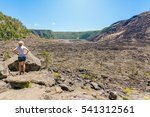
{"x": 47, "y": 59}
{"x": 57, "y": 75}
{"x": 26, "y": 85}
{"x": 11, "y": 28}
{"x": 127, "y": 91}
{"x": 6, "y": 56}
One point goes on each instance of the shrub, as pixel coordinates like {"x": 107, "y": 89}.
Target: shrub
{"x": 6, "y": 56}
{"x": 127, "y": 91}
{"x": 26, "y": 85}
{"x": 133, "y": 69}
{"x": 88, "y": 76}
{"x": 125, "y": 98}
{"x": 47, "y": 59}
{"x": 57, "y": 75}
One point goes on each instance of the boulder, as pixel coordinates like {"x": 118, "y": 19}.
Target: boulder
{"x": 148, "y": 83}
{"x": 78, "y": 83}
{"x": 113, "y": 95}
{"x": 26, "y": 81}
{"x": 3, "y": 86}
{"x": 32, "y": 63}
{"x": 20, "y": 84}
{"x": 104, "y": 76}
{"x": 4, "y": 72}
{"x": 95, "y": 86}
{"x": 58, "y": 89}
{"x": 64, "y": 87}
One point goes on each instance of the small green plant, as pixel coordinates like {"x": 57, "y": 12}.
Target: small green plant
{"x": 147, "y": 74}
{"x": 57, "y": 75}
{"x": 47, "y": 59}
{"x": 127, "y": 91}
{"x": 134, "y": 69}
{"x": 94, "y": 78}
{"x": 125, "y": 98}
{"x": 146, "y": 98}
{"x": 6, "y": 56}
{"x": 26, "y": 85}
{"x": 88, "y": 76}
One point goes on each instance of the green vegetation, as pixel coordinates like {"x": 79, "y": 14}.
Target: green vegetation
{"x": 127, "y": 91}
{"x": 134, "y": 69}
{"x": 26, "y": 85}
{"x": 147, "y": 74}
{"x": 6, "y": 56}
{"x": 21, "y": 85}
{"x": 57, "y": 75}
{"x": 48, "y": 34}
{"x": 11, "y": 28}
{"x": 88, "y": 76}
{"x": 47, "y": 59}
{"x": 125, "y": 98}
{"x": 146, "y": 98}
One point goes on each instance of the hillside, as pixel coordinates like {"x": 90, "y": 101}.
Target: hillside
{"x": 11, "y": 28}
{"x": 48, "y": 34}
{"x": 134, "y": 30}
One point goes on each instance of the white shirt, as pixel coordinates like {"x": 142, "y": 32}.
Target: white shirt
{"x": 21, "y": 50}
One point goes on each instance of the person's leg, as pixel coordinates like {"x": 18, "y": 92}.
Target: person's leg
{"x": 24, "y": 67}
{"x": 20, "y": 68}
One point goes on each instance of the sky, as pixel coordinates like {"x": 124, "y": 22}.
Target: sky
{"x": 72, "y": 15}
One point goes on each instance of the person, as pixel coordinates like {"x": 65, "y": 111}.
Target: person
{"x": 21, "y": 51}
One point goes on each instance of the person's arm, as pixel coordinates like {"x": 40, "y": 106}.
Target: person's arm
{"x": 27, "y": 51}
{"x": 15, "y": 51}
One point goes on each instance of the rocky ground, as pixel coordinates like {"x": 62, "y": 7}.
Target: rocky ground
{"x": 79, "y": 70}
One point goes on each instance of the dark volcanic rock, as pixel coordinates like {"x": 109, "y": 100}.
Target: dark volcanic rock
{"x": 95, "y": 86}
{"x": 104, "y": 76}
{"x": 148, "y": 83}
{"x": 112, "y": 96}
{"x": 64, "y": 87}
{"x": 19, "y": 85}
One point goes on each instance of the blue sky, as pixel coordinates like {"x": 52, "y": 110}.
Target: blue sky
{"x": 72, "y": 15}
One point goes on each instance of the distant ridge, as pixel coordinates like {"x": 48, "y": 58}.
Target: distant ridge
{"x": 49, "y": 34}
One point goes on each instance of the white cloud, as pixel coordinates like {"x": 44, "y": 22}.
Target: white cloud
{"x": 36, "y": 25}
{"x": 53, "y": 23}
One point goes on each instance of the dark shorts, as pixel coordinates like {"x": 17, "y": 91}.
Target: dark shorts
{"x": 22, "y": 58}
